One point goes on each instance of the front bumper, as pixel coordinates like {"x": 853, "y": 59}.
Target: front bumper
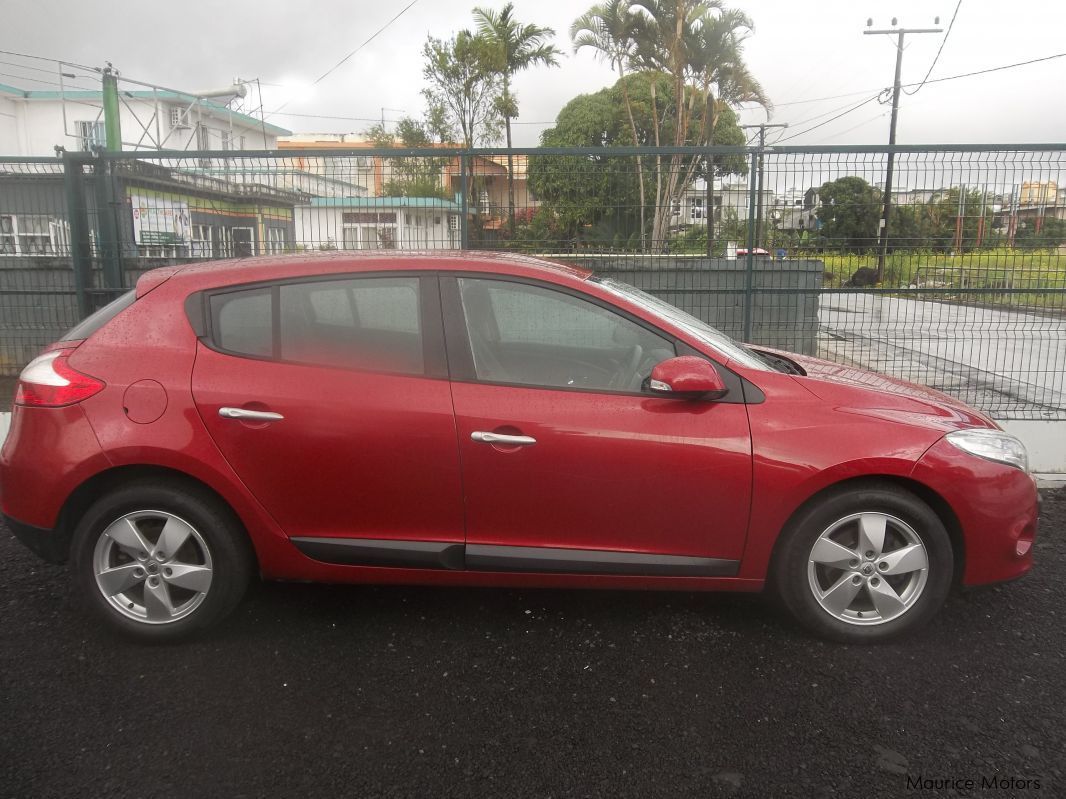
{"x": 997, "y": 507}
{"x": 51, "y": 545}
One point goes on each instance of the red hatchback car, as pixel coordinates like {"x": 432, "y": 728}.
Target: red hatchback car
{"x": 473, "y": 419}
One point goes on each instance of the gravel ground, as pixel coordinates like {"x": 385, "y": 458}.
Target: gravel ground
{"x": 364, "y": 691}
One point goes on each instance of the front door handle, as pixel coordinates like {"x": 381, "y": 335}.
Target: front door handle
{"x": 253, "y": 416}
{"x": 499, "y": 438}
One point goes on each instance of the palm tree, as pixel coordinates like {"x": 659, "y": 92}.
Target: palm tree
{"x": 518, "y": 47}
{"x": 610, "y": 29}
{"x": 697, "y": 43}
{"x": 716, "y": 60}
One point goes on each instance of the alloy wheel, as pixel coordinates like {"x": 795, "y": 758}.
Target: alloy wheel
{"x": 152, "y": 566}
{"x": 868, "y": 568}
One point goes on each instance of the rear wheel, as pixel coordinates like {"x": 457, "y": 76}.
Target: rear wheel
{"x": 159, "y": 562}
{"x": 865, "y": 565}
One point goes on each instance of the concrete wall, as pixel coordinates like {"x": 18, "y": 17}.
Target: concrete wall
{"x": 712, "y": 289}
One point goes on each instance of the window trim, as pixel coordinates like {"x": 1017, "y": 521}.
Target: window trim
{"x": 461, "y": 358}
{"x": 431, "y": 324}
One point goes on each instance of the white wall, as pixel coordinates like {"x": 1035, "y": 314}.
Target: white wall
{"x": 35, "y": 127}
{"x": 320, "y": 225}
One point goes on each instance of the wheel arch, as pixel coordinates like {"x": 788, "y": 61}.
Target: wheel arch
{"x": 89, "y": 491}
{"x": 937, "y": 504}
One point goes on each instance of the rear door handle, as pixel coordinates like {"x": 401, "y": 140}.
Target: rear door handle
{"x": 255, "y": 416}
{"x": 499, "y": 438}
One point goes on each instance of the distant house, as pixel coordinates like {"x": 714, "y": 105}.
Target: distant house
{"x": 374, "y": 223}
{"x": 731, "y": 203}
{"x": 34, "y": 123}
{"x": 374, "y": 176}
{"x": 165, "y": 215}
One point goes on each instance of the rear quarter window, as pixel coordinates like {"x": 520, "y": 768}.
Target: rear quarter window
{"x": 243, "y": 322}
{"x": 90, "y": 324}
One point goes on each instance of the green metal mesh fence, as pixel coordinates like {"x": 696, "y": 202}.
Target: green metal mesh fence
{"x": 964, "y": 290}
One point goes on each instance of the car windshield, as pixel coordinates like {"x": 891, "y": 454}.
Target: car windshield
{"x": 690, "y": 324}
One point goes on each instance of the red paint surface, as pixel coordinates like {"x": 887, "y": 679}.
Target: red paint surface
{"x": 364, "y": 454}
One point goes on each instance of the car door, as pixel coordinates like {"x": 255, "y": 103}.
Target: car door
{"x": 568, "y": 466}
{"x": 329, "y": 399}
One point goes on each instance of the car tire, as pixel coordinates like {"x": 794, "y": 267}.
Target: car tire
{"x": 866, "y": 564}
{"x": 138, "y": 588}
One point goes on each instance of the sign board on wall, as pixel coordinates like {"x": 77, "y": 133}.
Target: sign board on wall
{"x": 159, "y": 220}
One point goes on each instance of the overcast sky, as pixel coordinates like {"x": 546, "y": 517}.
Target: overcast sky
{"x": 799, "y": 51}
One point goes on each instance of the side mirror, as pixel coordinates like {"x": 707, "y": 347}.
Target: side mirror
{"x": 687, "y": 377}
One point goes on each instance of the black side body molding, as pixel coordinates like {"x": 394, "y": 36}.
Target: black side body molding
{"x": 484, "y": 557}
{"x": 594, "y": 561}
{"x": 383, "y": 552}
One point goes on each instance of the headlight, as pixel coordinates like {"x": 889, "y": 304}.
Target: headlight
{"x": 993, "y": 445}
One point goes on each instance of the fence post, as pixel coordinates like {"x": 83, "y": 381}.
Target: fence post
{"x": 78, "y": 219}
{"x": 107, "y": 223}
{"x": 749, "y": 272}
{"x": 464, "y": 204}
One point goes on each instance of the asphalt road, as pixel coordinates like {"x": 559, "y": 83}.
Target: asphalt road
{"x": 362, "y": 691}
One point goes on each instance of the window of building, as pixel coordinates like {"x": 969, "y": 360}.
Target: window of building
{"x": 7, "y": 236}
{"x": 90, "y": 135}
{"x": 33, "y": 234}
{"x": 179, "y": 117}
{"x": 203, "y": 137}
{"x": 276, "y": 240}
{"x": 202, "y": 241}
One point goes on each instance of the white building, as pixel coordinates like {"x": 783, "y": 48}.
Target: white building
{"x": 731, "y": 203}
{"x": 373, "y": 223}
{"x": 33, "y": 123}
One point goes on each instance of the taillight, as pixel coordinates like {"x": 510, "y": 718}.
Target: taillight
{"x": 48, "y": 381}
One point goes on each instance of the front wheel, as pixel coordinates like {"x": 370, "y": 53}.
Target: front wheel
{"x": 159, "y": 562}
{"x": 865, "y": 565}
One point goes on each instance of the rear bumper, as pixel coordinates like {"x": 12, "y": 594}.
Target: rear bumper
{"x": 51, "y": 545}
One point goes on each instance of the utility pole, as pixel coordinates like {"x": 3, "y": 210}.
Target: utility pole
{"x": 762, "y": 148}
{"x": 900, "y": 34}
{"x": 112, "y": 126}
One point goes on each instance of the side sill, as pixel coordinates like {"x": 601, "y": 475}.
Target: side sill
{"x": 594, "y": 561}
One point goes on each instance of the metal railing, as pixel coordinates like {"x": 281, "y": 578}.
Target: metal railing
{"x": 777, "y": 246}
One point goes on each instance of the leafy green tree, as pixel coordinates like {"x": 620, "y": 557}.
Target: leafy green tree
{"x": 409, "y": 176}
{"x": 850, "y": 211}
{"x": 697, "y": 47}
{"x": 518, "y": 47}
{"x": 598, "y": 199}
{"x": 610, "y": 29}
{"x": 464, "y": 80}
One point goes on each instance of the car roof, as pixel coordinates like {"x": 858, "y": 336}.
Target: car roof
{"x": 237, "y": 271}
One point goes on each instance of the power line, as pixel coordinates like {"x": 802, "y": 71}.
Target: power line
{"x": 336, "y": 66}
{"x": 53, "y": 60}
{"x": 832, "y": 119}
{"x": 994, "y": 69}
{"x": 944, "y": 41}
{"x": 934, "y": 80}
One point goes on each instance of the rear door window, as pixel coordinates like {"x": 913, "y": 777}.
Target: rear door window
{"x": 369, "y": 323}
